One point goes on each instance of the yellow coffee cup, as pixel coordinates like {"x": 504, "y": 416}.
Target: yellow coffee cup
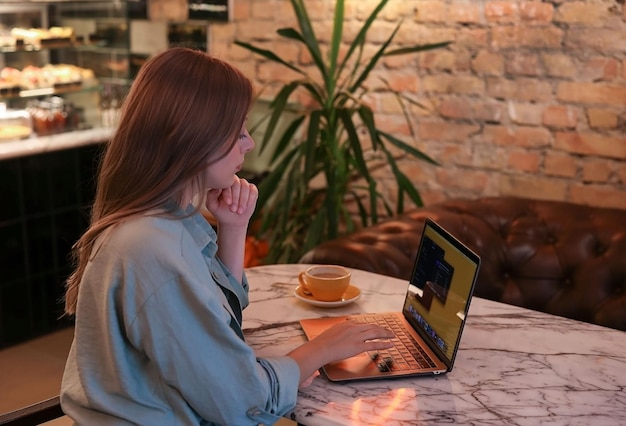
{"x": 326, "y": 283}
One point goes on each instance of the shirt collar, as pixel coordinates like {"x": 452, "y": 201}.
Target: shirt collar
{"x": 201, "y": 231}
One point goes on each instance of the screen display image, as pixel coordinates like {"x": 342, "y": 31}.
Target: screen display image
{"x": 439, "y": 290}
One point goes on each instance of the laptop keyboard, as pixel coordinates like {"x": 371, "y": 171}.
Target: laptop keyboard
{"x": 407, "y": 354}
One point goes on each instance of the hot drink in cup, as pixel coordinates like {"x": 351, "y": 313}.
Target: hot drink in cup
{"x": 326, "y": 283}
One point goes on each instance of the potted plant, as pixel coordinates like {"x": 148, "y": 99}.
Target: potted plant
{"x": 325, "y": 141}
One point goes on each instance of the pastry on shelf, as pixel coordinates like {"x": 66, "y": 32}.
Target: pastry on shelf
{"x": 6, "y": 39}
{"x": 14, "y": 124}
{"x": 11, "y": 132}
{"x": 40, "y": 36}
{"x": 10, "y": 81}
{"x": 49, "y": 76}
{"x": 62, "y": 75}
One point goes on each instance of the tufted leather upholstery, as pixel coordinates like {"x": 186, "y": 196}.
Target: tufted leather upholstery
{"x": 557, "y": 257}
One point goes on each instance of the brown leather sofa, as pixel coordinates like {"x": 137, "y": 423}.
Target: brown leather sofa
{"x": 557, "y": 257}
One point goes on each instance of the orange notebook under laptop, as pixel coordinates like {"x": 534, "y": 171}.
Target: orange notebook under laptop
{"x": 429, "y": 327}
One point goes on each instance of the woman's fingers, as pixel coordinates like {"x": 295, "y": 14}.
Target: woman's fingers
{"x": 348, "y": 339}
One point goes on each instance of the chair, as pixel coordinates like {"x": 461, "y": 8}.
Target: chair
{"x": 35, "y": 414}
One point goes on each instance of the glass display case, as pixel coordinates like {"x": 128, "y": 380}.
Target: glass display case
{"x": 66, "y": 63}
{"x": 64, "y": 68}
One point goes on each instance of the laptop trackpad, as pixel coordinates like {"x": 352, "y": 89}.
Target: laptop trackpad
{"x": 359, "y": 366}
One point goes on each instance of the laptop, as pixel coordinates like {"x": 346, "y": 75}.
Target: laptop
{"x": 429, "y": 327}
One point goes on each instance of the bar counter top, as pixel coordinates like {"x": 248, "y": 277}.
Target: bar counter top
{"x": 42, "y": 144}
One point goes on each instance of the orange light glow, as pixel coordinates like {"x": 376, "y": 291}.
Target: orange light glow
{"x": 381, "y": 419}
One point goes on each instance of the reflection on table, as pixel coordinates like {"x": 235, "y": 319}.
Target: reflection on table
{"x": 515, "y": 366}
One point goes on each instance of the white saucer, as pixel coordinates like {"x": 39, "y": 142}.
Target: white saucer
{"x": 352, "y": 293}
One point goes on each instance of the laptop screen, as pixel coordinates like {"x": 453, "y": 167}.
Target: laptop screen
{"x": 440, "y": 289}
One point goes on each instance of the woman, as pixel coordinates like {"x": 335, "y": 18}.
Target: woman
{"x": 157, "y": 294}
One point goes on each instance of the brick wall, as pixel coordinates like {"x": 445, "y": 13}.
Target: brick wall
{"x": 529, "y": 100}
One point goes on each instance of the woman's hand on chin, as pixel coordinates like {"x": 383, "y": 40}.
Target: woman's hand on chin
{"x": 233, "y": 205}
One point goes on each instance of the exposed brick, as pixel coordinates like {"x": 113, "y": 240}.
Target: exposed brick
{"x": 531, "y": 92}
{"x": 256, "y": 31}
{"x": 579, "y": 12}
{"x": 462, "y": 84}
{"x": 431, "y": 11}
{"x": 403, "y": 81}
{"x": 536, "y": 12}
{"x": 596, "y": 39}
{"x": 168, "y": 10}
{"x": 533, "y": 187}
{"x": 519, "y": 136}
{"x": 286, "y": 49}
{"x": 599, "y": 68}
{"x": 597, "y": 195}
{"x": 591, "y": 144}
{"x": 457, "y": 154}
{"x": 560, "y": 116}
{"x": 488, "y": 157}
{"x": 387, "y": 103}
{"x": 521, "y": 89}
{"x": 501, "y": 11}
{"x": 463, "y": 61}
{"x": 489, "y": 112}
{"x": 394, "y": 124}
{"x": 505, "y": 37}
{"x": 304, "y": 57}
{"x": 248, "y": 69}
{"x": 431, "y": 197}
{"x": 525, "y": 113}
{"x": 304, "y": 98}
{"x": 524, "y": 161}
{"x": 269, "y": 71}
{"x": 474, "y": 38}
{"x": 540, "y": 37}
{"x": 438, "y": 60}
{"x": 596, "y": 170}
{"x": 602, "y": 118}
{"x": 456, "y": 108}
{"x": 465, "y": 13}
{"x": 415, "y": 33}
{"x": 222, "y": 32}
{"x": 284, "y": 12}
{"x": 379, "y": 32}
{"x": 318, "y": 10}
{"x": 501, "y": 88}
{"x": 488, "y": 63}
{"x": 522, "y": 64}
{"x": 592, "y": 93}
{"x": 445, "y": 131}
{"x": 241, "y": 11}
{"x": 534, "y": 90}
{"x": 559, "y": 164}
{"x": 395, "y": 10}
{"x": 262, "y": 9}
{"x": 466, "y": 180}
{"x": 558, "y": 65}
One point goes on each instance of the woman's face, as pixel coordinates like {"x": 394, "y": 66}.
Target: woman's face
{"x": 220, "y": 173}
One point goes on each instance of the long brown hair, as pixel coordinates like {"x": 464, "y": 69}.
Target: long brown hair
{"x": 184, "y": 110}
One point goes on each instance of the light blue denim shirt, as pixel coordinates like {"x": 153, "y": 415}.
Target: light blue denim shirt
{"x": 156, "y": 342}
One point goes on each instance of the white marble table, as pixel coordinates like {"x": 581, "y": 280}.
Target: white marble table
{"x": 514, "y": 367}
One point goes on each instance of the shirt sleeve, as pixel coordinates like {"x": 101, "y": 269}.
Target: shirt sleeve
{"x": 183, "y": 329}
